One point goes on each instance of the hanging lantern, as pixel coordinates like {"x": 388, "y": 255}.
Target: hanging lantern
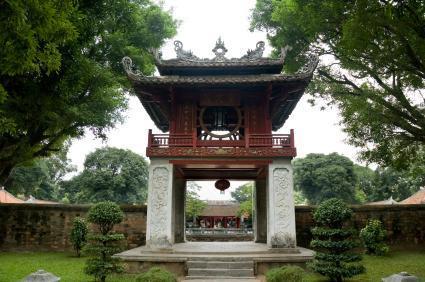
{"x": 222, "y": 185}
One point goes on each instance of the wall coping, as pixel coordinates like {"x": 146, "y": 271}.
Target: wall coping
{"x": 143, "y": 208}
{"x": 364, "y": 208}
{"x": 69, "y": 207}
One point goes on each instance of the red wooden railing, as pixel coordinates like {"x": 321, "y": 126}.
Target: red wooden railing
{"x": 191, "y": 140}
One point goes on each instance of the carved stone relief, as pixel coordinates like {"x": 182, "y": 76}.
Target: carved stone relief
{"x": 283, "y": 208}
{"x": 158, "y": 204}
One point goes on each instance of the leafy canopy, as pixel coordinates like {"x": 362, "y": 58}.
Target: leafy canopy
{"x": 322, "y": 177}
{"x": 60, "y": 69}
{"x": 372, "y": 67}
{"x": 243, "y": 193}
{"x": 110, "y": 174}
{"x": 41, "y": 177}
{"x": 194, "y": 205}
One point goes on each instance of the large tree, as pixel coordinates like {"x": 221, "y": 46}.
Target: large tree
{"x": 243, "y": 193}
{"x": 41, "y": 177}
{"x": 60, "y": 71}
{"x": 194, "y": 205}
{"x": 372, "y": 67}
{"x": 321, "y": 177}
{"x": 110, "y": 174}
{"x": 384, "y": 183}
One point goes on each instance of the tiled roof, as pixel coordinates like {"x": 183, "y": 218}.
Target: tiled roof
{"x": 220, "y": 79}
{"x": 7, "y": 198}
{"x": 417, "y": 198}
{"x": 227, "y": 63}
{"x": 221, "y": 208}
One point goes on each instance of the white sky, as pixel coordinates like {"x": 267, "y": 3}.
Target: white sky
{"x": 201, "y": 23}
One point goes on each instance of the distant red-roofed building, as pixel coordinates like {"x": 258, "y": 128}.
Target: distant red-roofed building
{"x": 221, "y": 214}
{"x": 7, "y": 198}
{"x": 417, "y": 198}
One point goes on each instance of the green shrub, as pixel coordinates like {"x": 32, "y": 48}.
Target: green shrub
{"x": 373, "y": 236}
{"x": 156, "y": 274}
{"x": 104, "y": 243}
{"x": 285, "y": 274}
{"x": 333, "y": 242}
{"x": 79, "y": 234}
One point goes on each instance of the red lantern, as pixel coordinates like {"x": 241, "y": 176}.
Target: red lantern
{"x": 222, "y": 185}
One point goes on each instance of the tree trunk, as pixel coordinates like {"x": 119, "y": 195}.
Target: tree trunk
{"x": 5, "y": 171}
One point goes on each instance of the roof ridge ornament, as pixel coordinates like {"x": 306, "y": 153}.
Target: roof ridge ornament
{"x": 310, "y": 65}
{"x": 127, "y": 63}
{"x": 220, "y": 51}
{"x": 257, "y": 53}
{"x": 181, "y": 53}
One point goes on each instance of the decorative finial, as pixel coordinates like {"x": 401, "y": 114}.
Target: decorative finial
{"x": 219, "y": 50}
{"x": 181, "y": 53}
{"x": 128, "y": 67}
{"x": 257, "y": 53}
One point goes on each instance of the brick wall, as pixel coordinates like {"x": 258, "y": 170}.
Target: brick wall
{"x": 405, "y": 224}
{"x": 47, "y": 227}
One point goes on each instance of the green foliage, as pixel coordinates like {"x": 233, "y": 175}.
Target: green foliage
{"x": 102, "y": 246}
{"x": 333, "y": 242}
{"x": 243, "y": 193}
{"x": 41, "y": 177}
{"x": 105, "y": 215}
{"x": 245, "y": 208}
{"x": 61, "y": 73}
{"x": 78, "y": 234}
{"x": 396, "y": 184}
{"x": 372, "y": 67}
{"x": 110, "y": 174}
{"x": 156, "y": 274}
{"x": 285, "y": 274}
{"x": 384, "y": 183}
{"x": 374, "y": 236}
{"x": 322, "y": 177}
{"x": 194, "y": 205}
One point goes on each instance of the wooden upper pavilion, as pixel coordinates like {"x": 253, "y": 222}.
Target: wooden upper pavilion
{"x": 220, "y": 107}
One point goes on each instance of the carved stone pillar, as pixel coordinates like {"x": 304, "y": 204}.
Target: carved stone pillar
{"x": 281, "y": 209}
{"x": 260, "y": 219}
{"x": 159, "y": 231}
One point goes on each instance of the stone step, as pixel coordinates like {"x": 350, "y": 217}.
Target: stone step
{"x": 222, "y": 258}
{"x": 220, "y": 264}
{"x": 221, "y": 272}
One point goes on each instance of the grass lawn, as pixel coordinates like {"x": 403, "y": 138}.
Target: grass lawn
{"x": 15, "y": 266}
{"x": 378, "y": 267}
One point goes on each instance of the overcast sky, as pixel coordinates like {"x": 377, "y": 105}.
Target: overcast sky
{"x": 201, "y": 23}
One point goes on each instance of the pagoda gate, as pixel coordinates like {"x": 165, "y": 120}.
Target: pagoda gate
{"x": 217, "y": 117}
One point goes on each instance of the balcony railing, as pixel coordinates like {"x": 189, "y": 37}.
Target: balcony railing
{"x": 250, "y": 141}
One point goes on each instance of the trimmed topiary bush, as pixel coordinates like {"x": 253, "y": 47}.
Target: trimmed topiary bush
{"x": 333, "y": 243}
{"x": 156, "y": 274}
{"x": 373, "y": 236}
{"x": 79, "y": 234}
{"x": 104, "y": 243}
{"x": 285, "y": 274}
